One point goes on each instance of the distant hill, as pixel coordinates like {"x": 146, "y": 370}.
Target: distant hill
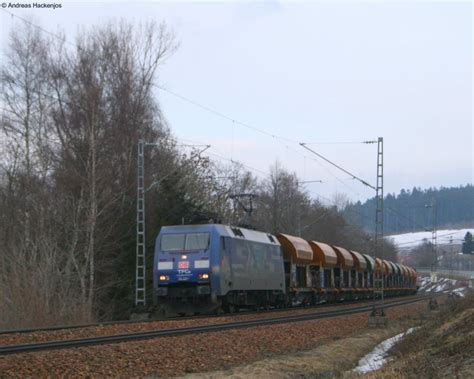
{"x": 410, "y": 210}
{"x": 447, "y": 238}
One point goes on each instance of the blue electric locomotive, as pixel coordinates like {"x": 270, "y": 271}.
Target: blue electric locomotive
{"x": 204, "y": 268}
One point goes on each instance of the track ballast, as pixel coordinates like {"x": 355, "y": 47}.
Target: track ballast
{"x": 13, "y": 349}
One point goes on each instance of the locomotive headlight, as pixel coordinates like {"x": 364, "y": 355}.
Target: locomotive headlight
{"x": 164, "y": 277}
{"x": 204, "y": 276}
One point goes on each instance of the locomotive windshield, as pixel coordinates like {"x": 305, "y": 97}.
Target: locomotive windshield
{"x": 184, "y": 242}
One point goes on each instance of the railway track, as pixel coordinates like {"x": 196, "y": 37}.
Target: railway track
{"x": 127, "y": 322}
{"x": 23, "y": 348}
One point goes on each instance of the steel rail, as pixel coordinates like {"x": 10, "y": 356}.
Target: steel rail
{"x": 182, "y": 318}
{"x": 79, "y": 326}
{"x": 24, "y": 348}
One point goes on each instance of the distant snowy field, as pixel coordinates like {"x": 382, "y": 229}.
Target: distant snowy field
{"x": 409, "y": 240}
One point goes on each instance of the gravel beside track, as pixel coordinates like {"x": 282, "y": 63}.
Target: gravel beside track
{"x": 100, "y": 324}
{"x": 15, "y": 349}
{"x": 121, "y": 328}
{"x": 169, "y": 356}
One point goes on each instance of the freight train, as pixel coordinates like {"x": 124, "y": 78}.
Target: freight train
{"x": 215, "y": 267}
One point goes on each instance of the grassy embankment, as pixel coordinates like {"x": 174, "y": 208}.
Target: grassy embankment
{"x": 442, "y": 348}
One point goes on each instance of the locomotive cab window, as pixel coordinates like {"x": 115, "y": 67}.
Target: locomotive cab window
{"x": 185, "y": 242}
{"x": 197, "y": 241}
{"x": 170, "y": 242}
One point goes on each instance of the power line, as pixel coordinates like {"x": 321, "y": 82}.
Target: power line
{"x": 447, "y": 234}
{"x": 40, "y": 28}
{"x": 223, "y": 157}
{"x": 421, "y": 239}
{"x": 238, "y": 162}
{"x": 276, "y": 137}
{"x": 408, "y": 220}
{"x": 330, "y": 201}
{"x": 222, "y": 115}
{"x": 337, "y": 166}
{"x": 269, "y": 175}
{"x": 280, "y": 139}
{"x": 340, "y": 143}
{"x": 411, "y": 221}
{"x": 51, "y": 97}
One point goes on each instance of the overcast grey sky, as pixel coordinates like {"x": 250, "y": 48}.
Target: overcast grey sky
{"x": 313, "y": 72}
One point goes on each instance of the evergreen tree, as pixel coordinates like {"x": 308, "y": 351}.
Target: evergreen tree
{"x": 468, "y": 244}
{"x": 407, "y": 211}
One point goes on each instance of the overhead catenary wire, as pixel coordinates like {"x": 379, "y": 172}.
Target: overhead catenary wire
{"x": 281, "y": 139}
{"x": 232, "y": 160}
{"x": 238, "y": 162}
{"x": 337, "y": 166}
{"x": 222, "y": 156}
{"x": 224, "y": 116}
{"x": 335, "y": 176}
{"x": 278, "y": 138}
{"x": 421, "y": 239}
{"x": 395, "y": 212}
{"x": 264, "y": 173}
{"x": 340, "y": 143}
{"x": 38, "y": 27}
{"x": 401, "y": 244}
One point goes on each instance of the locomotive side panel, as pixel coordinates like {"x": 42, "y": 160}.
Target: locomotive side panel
{"x": 254, "y": 266}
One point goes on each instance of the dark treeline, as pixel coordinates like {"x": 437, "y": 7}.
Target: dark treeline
{"x": 411, "y": 211}
{"x": 71, "y": 120}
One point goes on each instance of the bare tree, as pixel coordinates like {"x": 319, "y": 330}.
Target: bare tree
{"x": 422, "y": 255}
{"x": 104, "y": 107}
{"x": 72, "y": 121}
{"x": 283, "y": 205}
{"x": 32, "y": 278}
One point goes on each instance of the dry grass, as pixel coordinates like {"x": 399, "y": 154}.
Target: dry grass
{"x": 442, "y": 348}
{"x": 33, "y": 298}
{"x": 330, "y": 360}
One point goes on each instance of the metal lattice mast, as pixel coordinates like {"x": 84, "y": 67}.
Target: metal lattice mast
{"x": 140, "y": 293}
{"x": 379, "y": 217}
{"x": 434, "y": 237}
{"x": 140, "y": 273}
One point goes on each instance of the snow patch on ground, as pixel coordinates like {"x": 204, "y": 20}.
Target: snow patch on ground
{"x": 443, "y": 285}
{"x": 460, "y": 291}
{"x": 409, "y": 240}
{"x": 379, "y": 356}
